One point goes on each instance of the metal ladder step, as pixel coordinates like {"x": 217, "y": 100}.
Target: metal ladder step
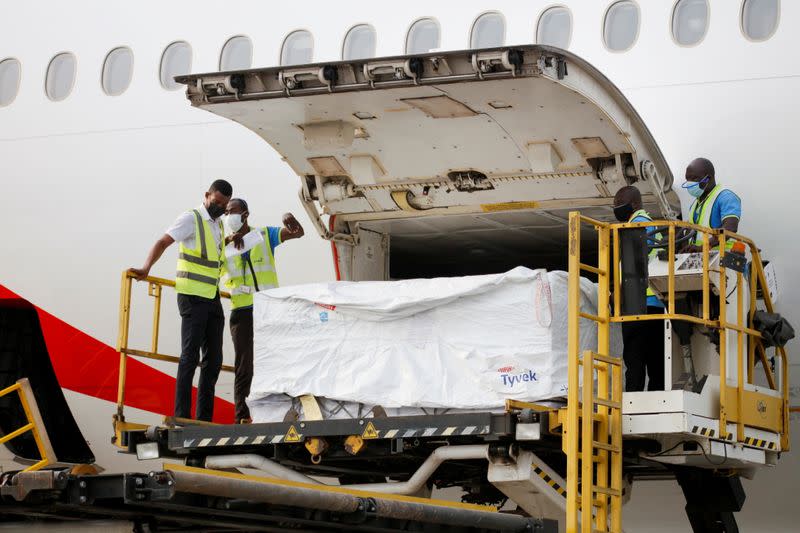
{"x": 607, "y": 447}
{"x": 606, "y": 490}
{"x": 608, "y": 403}
{"x": 607, "y": 359}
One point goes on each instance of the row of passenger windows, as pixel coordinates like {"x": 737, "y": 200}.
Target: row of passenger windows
{"x": 690, "y": 18}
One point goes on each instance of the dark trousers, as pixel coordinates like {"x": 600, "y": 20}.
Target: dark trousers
{"x": 202, "y": 325}
{"x": 242, "y": 333}
{"x": 643, "y": 352}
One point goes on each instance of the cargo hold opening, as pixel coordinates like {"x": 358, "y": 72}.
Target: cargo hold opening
{"x": 464, "y": 245}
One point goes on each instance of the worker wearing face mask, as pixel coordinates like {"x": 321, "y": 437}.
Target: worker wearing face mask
{"x": 200, "y": 263}
{"x": 714, "y": 206}
{"x": 643, "y": 341}
{"x": 249, "y": 271}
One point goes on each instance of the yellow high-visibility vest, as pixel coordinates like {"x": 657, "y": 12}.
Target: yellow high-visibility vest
{"x": 657, "y": 236}
{"x": 705, "y": 214}
{"x": 199, "y": 269}
{"x": 245, "y": 279}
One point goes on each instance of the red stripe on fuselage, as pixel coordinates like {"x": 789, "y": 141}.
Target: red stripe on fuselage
{"x": 86, "y": 365}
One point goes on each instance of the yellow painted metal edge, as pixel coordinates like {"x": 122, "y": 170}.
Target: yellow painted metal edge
{"x": 163, "y": 357}
{"x": 517, "y": 405}
{"x": 757, "y": 410}
{"x": 35, "y": 424}
{"x": 507, "y": 206}
{"x": 176, "y": 467}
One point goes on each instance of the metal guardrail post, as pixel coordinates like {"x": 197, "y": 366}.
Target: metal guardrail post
{"x": 739, "y": 357}
{"x": 723, "y": 344}
{"x": 573, "y": 347}
{"x": 154, "y": 290}
{"x": 603, "y": 346}
{"x": 122, "y": 340}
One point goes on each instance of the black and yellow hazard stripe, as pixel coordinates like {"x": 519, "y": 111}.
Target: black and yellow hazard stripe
{"x": 294, "y": 436}
{"x": 760, "y": 443}
{"x": 704, "y": 432}
{"x": 550, "y": 481}
{"x": 748, "y": 441}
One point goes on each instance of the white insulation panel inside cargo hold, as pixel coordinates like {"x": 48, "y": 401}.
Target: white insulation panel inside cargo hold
{"x": 465, "y": 343}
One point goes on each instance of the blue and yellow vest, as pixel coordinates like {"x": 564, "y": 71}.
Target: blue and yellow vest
{"x": 246, "y": 278}
{"x": 705, "y": 214}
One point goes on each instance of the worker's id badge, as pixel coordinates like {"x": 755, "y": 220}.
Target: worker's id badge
{"x": 245, "y": 289}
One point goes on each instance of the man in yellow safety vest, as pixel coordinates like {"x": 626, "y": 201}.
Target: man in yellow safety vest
{"x": 643, "y": 342}
{"x": 248, "y": 272}
{"x": 714, "y": 207}
{"x": 200, "y": 261}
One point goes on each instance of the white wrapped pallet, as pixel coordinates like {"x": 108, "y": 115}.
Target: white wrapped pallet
{"x": 464, "y": 343}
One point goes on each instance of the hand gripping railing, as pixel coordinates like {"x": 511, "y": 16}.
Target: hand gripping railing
{"x": 154, "y": 288}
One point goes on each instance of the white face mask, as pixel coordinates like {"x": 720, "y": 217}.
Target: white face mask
{"x": 234, "y": 222}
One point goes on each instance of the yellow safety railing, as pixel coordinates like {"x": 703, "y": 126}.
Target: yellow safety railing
{"x": 22, "y": 388}
{"x": 155, "y": 288}
{"x": 592, "y": 434}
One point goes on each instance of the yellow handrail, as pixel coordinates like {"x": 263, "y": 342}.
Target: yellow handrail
{"x": 154, "y": 288}
{"x": 31, "y": 426}
{"x": 744, "y": 333}
{"x": 600, "y": 412}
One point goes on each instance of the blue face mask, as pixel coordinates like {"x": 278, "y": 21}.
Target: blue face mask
{"x": 696, "y": 188}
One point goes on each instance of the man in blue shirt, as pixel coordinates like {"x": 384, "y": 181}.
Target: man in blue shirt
{"x": 714, "y": 206}
{"x": 643, "y": 341}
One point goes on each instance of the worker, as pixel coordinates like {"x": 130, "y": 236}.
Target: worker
{"x": 643, "y": 341}
{"x": 713, "y": 207}
{"x": 200, "y": 261}
{"x": 248, "y": 272}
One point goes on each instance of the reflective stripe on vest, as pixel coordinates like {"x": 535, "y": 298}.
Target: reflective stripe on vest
{"x": 655, "y": 237}
{"x": 706, "y": 207}
{"x": 199, "y": 268}
{"x": 240, "y": 281}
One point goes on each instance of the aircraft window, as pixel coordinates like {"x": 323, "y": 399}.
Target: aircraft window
{"x": 360, "y": 42}
{"x": 555, "y": 27}
{"x": 237, "y": 54}
{"x": 621, "y": 26}
{"x": 117, "y": 71}
{"x": 60, "y": 76}
{"x": 423, "y": 36}
{"x": 175, "y": 61}
{"x": 10, "y": 71}
{"x": 298, "y": 48}
{"x": 488, "y": 30}
{"x": 760, "y": 18}
{"x": 689, "y": 21}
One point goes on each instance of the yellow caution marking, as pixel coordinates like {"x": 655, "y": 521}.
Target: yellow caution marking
{"x": 508, "y": 206}
{"x": 369, "y": 432}
{"x": 292, "y": 435}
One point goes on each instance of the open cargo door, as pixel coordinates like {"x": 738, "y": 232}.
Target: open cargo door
{"x": 506, "y": 139}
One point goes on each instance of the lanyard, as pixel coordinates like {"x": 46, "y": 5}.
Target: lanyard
{"x": 246, "y": 256}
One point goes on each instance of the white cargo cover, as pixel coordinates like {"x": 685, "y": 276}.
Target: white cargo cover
{"x": 467, "y": 343}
